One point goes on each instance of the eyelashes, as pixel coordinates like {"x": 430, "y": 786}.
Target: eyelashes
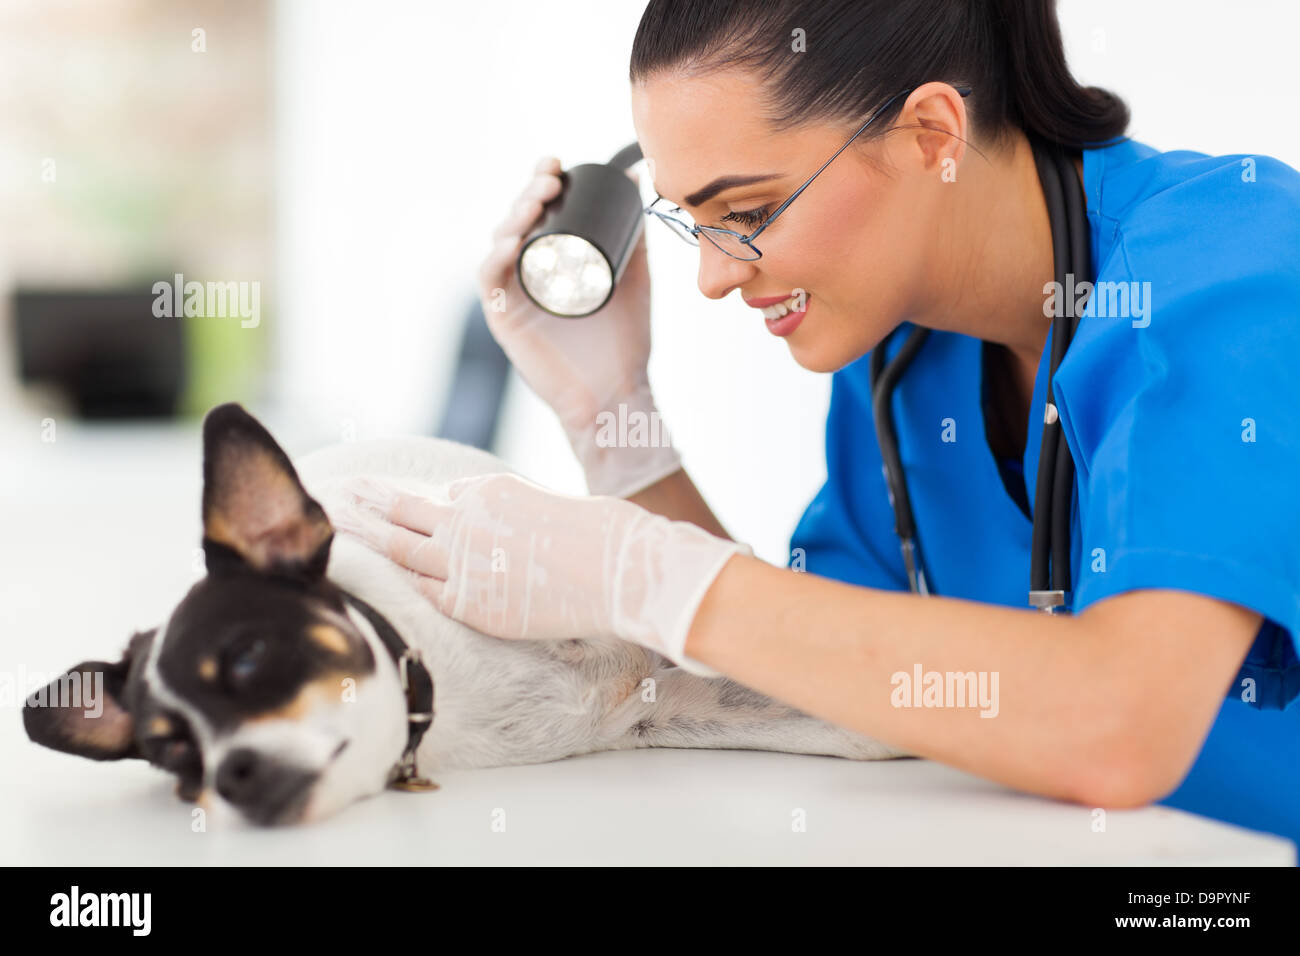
{"x": 747, "y": 217}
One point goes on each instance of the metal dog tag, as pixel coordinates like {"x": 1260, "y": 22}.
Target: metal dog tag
{"x": 406, "y": 776}
{"x": 414, "y": 784}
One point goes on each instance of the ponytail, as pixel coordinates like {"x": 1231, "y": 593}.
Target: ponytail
{"x": 1041, "y": 96}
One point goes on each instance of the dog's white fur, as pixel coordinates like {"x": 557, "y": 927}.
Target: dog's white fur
{"x": 502, "y": 702}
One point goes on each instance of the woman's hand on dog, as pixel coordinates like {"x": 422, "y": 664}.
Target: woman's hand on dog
{"x": 514, "y": 560}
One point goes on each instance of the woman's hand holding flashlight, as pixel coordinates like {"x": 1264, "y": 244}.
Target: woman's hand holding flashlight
{"x": 580, "y": 367}
{"x": 511, "y": 559}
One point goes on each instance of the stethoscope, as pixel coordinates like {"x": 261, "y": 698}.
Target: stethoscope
{"x": 1049, "y": 567}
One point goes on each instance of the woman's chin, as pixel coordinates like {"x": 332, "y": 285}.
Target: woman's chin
{"x": 819, "y": 355}
{"x": 820, "y": 348}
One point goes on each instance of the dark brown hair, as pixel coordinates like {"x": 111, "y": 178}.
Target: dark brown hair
{"x": 861, "y": 52}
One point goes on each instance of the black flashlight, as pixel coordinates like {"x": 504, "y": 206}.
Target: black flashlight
{"x": 574, "y": 257}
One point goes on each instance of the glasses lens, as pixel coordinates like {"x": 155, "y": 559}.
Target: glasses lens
{"x": 678, "y": 226}
{"x": 730, "y": 244}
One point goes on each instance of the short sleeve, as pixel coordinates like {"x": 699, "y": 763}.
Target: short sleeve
{"x": 846, "y": 533}
{"x": 1184, "y": 424}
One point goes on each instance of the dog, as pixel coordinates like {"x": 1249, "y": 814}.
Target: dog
{"x": 305, "y": 672}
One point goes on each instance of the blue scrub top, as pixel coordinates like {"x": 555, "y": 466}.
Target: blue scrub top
{"x": 1180, "y": 401}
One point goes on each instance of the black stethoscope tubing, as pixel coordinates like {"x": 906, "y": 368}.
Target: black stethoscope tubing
{"x": 1049, "y": 570}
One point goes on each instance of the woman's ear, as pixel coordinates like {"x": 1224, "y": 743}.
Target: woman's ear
{"x": 937, "y": 119}
{"x": 255, "y": 510}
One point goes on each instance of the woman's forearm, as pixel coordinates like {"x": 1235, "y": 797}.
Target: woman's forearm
{"x": 677, "y": 498}
{"x": 1048, "y": 685}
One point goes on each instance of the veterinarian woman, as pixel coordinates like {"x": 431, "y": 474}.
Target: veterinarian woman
{"x": 1169, "y": 672}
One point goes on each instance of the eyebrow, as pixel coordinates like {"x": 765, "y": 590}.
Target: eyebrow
{"x": 701, "y": 196}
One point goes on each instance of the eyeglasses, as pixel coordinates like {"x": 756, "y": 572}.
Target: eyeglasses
{"x": 740, "y": 246}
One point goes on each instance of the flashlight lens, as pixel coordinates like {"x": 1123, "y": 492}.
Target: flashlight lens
{"x": 566, "y": 274}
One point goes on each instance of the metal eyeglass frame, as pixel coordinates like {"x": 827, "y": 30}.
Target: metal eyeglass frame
{"x": 683, "y": 229}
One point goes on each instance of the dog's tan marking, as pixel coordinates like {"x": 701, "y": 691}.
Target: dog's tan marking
{"x": 160, "y": 726}
{"x": 329, "y": 637}
{"x": 208, "y": 667}
{"x": 326, "y": 689}
{"x": 110, "y": 731}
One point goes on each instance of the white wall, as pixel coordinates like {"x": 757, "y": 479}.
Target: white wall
{"x": 405, "y": 132}
{"x": 1216, "y": 76}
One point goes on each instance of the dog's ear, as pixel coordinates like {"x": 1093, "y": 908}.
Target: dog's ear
{"x": 84, "y": 712}
{"x": 255, "y": 510}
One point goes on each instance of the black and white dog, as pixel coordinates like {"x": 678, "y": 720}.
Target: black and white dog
{"x": 300, "y": 674}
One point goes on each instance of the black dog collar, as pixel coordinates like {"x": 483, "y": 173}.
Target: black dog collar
{"x": 417, "y": 684}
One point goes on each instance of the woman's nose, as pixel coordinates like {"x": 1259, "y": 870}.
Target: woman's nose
{"x": 719, "y": 272}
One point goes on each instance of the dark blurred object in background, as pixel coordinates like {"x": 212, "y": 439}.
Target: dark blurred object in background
{"x": 105, "y": 350}
{"x": 478, "y": 386}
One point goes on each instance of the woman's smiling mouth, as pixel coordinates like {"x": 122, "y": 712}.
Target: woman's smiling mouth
{"x": 782, "y": 315}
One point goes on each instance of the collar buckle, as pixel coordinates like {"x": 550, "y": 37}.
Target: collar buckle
{"x": 406, "y": 775}
{"x": 417, "y": 690}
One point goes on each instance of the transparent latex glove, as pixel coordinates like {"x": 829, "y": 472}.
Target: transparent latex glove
{"x": 512, "y": 559}
{"x": 585, "y": 367}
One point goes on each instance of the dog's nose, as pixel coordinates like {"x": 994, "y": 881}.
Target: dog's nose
{"x": 264, "y": 788}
